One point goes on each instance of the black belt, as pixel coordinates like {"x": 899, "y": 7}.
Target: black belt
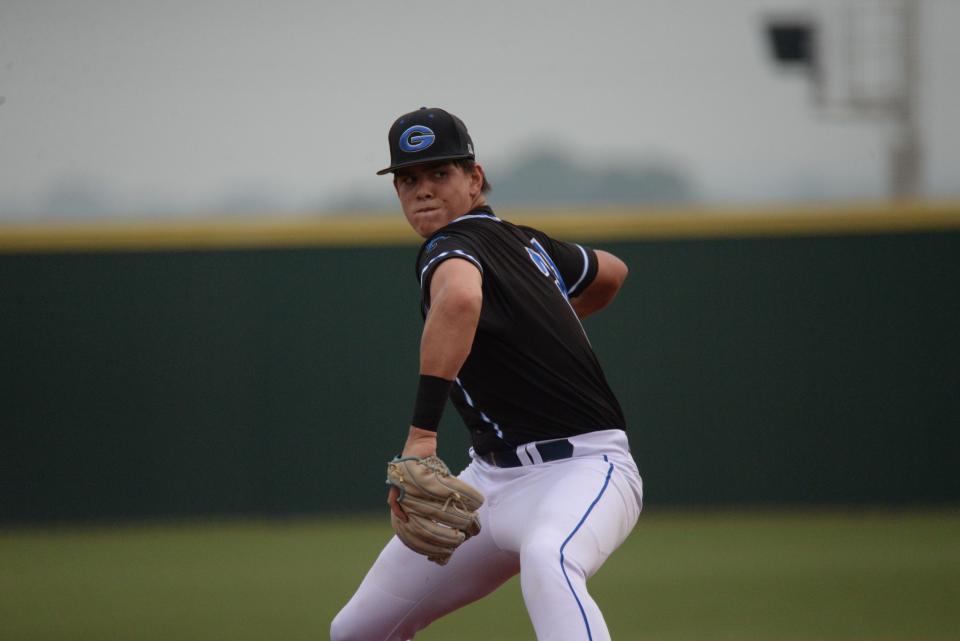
{"x": 549, "y": 451}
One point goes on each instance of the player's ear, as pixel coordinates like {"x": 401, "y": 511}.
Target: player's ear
{"x": 476, "y": 181}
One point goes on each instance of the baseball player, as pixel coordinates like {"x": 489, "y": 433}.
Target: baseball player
{"x": 552, "y": 489}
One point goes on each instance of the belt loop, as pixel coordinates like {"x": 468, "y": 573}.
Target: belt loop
{"x": 533, "y": 451}
{"x": 523, "y": 453}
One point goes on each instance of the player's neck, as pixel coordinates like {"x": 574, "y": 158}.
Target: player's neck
{"x": 478, "y": 202}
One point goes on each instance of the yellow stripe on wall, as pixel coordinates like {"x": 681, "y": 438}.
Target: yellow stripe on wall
{"x": 593, "y": 224}
{"x": 628, "y": 224}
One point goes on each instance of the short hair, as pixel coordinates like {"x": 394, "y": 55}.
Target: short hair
{"x": 467, "y": 165}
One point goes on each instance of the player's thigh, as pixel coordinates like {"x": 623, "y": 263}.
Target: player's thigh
{"x": 582, "y": 508}
{"x": 404, "y": 592}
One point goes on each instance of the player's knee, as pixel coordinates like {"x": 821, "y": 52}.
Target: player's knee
{"x": 337, "y": 628}
{"x": 543, "y": 553}
{"x": 343, "y": 628}
{"x": 542, "y": 549}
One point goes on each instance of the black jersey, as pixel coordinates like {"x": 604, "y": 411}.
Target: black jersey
{"x": 531, "y": 374}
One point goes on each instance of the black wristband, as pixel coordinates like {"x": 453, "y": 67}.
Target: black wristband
{"x": 432, "y": 395}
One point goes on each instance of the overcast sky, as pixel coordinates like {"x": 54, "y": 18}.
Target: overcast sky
{"x": 187, "y": 104}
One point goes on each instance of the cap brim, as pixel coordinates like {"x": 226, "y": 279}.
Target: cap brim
{"x": 425, "y": 161}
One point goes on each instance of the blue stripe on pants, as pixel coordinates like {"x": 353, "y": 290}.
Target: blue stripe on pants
{"x": 563, "y": 568}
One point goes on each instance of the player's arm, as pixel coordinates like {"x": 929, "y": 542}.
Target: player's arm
{"x": 456, "y": 296}
{"x": 611, "y": 272}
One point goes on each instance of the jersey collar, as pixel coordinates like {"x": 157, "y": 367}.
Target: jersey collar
{"x": 483, "y": 211}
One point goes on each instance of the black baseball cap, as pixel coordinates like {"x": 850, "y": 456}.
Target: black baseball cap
{"x": 427, "y": 135}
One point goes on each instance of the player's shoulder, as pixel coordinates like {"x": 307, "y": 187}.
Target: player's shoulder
{"x": 532, "y": 232}
{"x": 444, "y": 239}
{"x": 478, "y": 222}
{"x": 446, "y": 242}
{"x": 538, "y": 236}
{"x": 484, "y": 223}
{"x": 463, "y": 229}
{"x": 472, "y": 235}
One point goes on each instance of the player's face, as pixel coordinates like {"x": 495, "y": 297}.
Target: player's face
{"x": 434, "y": 194}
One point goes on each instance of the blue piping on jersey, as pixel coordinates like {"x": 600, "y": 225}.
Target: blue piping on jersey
{"x": 553, "y": 266}
{"x": 563, "y": 568}
{"x": 433, "y": 243}
{"x": 586, "y": 268}
{"x": 469, "y": 216}
{"x": 561, "y": 285}
{"x": 486, "y": 419}
{"x": 451, "y": 254}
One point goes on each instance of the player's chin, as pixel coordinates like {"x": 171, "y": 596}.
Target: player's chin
{"x": 428, "y": 222}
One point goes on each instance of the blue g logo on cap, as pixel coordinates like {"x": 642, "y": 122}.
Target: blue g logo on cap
{"x": 416, "y": 138}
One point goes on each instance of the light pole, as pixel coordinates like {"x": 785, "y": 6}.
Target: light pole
{"x": 796, "y": 41}
{"x": 907, "y": 159}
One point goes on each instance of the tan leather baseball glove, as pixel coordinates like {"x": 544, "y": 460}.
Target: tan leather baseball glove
{"x": 441, "y": 509}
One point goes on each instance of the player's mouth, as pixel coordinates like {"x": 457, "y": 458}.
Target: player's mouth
{"x": 426, "y": 210}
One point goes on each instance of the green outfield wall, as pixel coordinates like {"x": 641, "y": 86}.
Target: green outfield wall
{"x": 269, "y": 369}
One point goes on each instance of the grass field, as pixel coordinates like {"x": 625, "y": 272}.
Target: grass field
{"x": 680, "y": 577}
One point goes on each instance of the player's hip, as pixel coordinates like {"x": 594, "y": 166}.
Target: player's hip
{"x": 602, "y": 449}
{"x": 611, "y": 443}
{"x": 598, "y": 478}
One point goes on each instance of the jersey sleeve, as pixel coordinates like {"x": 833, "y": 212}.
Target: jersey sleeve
{"x": 577, "y": 264}
{"x": 436, "y": 251}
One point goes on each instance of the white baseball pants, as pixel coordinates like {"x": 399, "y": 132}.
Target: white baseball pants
{"x": 555, "y": 523}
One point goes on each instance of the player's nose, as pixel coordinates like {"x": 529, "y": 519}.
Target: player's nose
{"x": 424, "y": 188}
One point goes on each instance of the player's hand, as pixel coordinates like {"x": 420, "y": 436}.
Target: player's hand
{"x": 394, "y": 504}
{"x": 422, "y": 443}
{"x": 441, "y": 509}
